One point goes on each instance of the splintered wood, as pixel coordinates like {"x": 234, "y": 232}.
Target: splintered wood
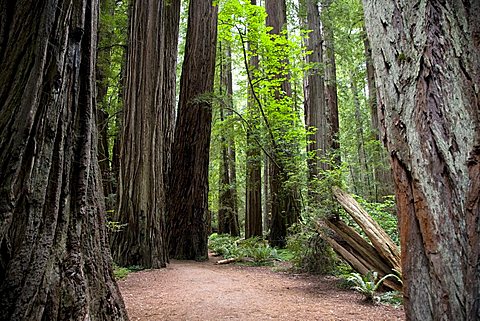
{"x": 381, "y": 255}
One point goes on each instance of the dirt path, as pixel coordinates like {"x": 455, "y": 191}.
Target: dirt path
{"x": 204, "y": 291}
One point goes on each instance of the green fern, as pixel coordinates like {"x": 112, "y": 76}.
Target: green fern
{"x": 368, "y": 284}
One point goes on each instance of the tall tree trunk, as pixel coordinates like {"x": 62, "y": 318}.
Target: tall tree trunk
{"x": 364, "y": 173}
{"x": 314, "y": 93}
{"x": 188, "y": 193}
{"x": 172, "y": 27}
{"x": 142, "y": 184}
{"x": 54, "y": 258}
{"x": 427, "y": 71}
{"x": 284, "y": 203}
{"x": 253, "y": 209}
{"x": 227, "y": 212}
{"x": 330, "y": 82}
{"x": 103, "y": 61}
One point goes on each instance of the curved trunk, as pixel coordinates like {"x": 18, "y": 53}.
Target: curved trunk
{"x": 54, "y": 259}
{"x": 253, "y": 180}
{"x": 427, "y": 70}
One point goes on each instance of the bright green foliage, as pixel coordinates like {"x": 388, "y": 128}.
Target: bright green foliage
{"x": 282, "y": 134}
{"x": 224, "y": 245}
{"x": 121, "y": 272}
{"x": 384, "y": 213}
{"x": 368, "y": 284}
{"x": 279, "y": 130}
{"x": 254, "y": 250}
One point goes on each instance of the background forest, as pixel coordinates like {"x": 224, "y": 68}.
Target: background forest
{"x": 294, "y": 113}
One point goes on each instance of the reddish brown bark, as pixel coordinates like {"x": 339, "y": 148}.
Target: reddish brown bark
{"x": 427, "y": 66}
{"x": 188, "y": 193}
{"x": 54, "y": 258}
{"x": 145, "y": 142}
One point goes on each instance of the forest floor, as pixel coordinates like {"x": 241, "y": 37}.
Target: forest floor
{"x": 188, "y": 290}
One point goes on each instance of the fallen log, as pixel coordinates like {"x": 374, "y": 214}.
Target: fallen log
{"x": 360, "y": 245}
{"x": 227, "y": 261}
{"x": 356, "y": 261}
{"x": 386, "y": 248}
{"x": 236, "y": 259}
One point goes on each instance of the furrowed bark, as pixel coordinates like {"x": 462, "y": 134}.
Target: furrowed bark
{"x": 188, "y": 192}
{"x": 425, "y": 55}
{"x": 54, "y": 258}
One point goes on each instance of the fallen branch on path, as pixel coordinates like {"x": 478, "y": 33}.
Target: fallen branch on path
{"x": 236, "y": 259}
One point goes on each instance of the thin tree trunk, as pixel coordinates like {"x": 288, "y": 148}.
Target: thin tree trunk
{"x": 330, "y": 82}
{"x": 253, "y": 210}
{"x": 284, "y": 202}
{"x": 363, "y": 169}
{"x": 103, "y": 61}
{"x": 267, "y": 203}
{"x": 227, "y": 203}
{"x": 372, "y": 89}
{"x": 54, "y": 258}
{"x": 314, "y": 92}
{"x": 188, "y": 193}
{"x": 427, "y": 71}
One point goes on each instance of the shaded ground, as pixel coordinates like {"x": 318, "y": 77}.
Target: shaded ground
{"x": 204, "y": 291}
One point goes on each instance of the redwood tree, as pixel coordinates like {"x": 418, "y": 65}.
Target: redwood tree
{"x": 330, "y": 81}
{"x": 144, "y": 144}
{"x": 54, "y": 258}
{"x": 426, "y": 59}
{"x": 314, "y": 92}
{"x": 189, "y": 219}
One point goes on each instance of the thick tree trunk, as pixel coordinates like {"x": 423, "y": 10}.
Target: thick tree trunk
{"x": 427, "y": 70}
{"x": 54, "y": 258}
{"x": 253, "y": 188}
{"x": 171, "y": 34}
{"x": 144, "y": 148}
{"x": 188, "y": 193}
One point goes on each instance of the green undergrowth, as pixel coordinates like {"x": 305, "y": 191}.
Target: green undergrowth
{"x": 121, "y": 272}
{"x": 252, "y": 251}
{"x": 368, "y": 285}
